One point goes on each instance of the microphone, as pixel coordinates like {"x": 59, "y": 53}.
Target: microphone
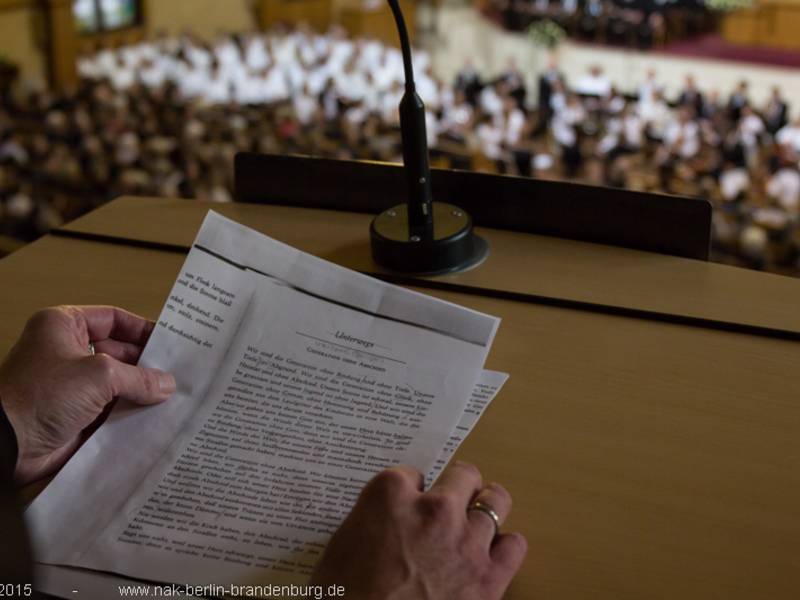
{"x": 415, "y": 142}
{"x": 421, "y": 236}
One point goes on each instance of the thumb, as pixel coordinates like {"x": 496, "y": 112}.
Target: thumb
{"x": 128, "y": 382}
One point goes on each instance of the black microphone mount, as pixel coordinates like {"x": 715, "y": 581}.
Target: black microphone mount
{"x": 421, "y": 236}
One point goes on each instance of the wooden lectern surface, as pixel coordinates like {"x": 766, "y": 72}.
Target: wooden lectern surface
{"x": 518, "y": 263}
{"x": 646, "y": 459}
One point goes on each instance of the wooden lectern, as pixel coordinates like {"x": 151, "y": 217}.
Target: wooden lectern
{"x": 649, "y": 430}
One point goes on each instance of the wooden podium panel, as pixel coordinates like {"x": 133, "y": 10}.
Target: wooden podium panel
{"x": 646, "y": 460}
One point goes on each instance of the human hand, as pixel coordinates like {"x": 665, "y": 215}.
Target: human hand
{"x": 400, "y": 543}
{"x": 52, "y": 389}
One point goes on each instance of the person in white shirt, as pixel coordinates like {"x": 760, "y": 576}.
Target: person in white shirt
{"x": 284, "y": 47}
{"x": 390, "y": 103}
{"x": 656, "y": 116}
{"x": 569, "y": 7}
{"x": 447, "y": 96}
{"x": 296, "y": 73}
{"x": 682, "y": 135}
{"x": 13, "y": 149}
{"x": 88, "y": 67}
{"x": 274, "y": 85}
{"x": 197, "y": 54}
{"x": 754, "y": 244}
{"x": 772, "y": 218}
{"x": 751, "y": 128}
{"x": 317, "y": 77}
{"x": 594, "y": 83}
{"x": 227, "y": 52}
{"x": 421, "y": 60}
{"x": 247, "y": 87}
{"x": 152, "y": 73}
{"x": 428, "y": 89}
{"x": 306, "y": 107}
{"x": 784, "y": 187}
{"x": 166, "y": 44}
{"x": 372, "y": 97}
{"x": 307, "y": 48}
{"x": 457, "y": 120}
{"x": 383, "y": 76}
{"x": 127, "y": 150}
{"x": 431, "y": 128}
{"x": 513, "y": 122}
{"x": 789, "y": 136}
{"x": 130, "y": 56}
{"x": 564, "y": 125}
{"x": 370, "y": 54}
{"x": 218, "y": 88}
{"x": 567, "y": 120}
{"x": 491, "y": 99}
{"x": 191, "y": 80}
{"x": 749, "y": 131}
{"x": 105, "y": 62}
{"x": 490, "y": 141}
{"x": 147, "y": 49}
{"x": 351, "y": 84}
{"x": 394, "y": 62}
{"x": 122, "y": 77}
{"x": 340, "y": 51}
{"x": 322, "y": 44}
{"x": 612, "y": 103}
{"x": 540, "y": 8}
{"x": 256, "y": 57}
{"x": 612, "y": 138}
{"x": 632, "y": 129}
{"x": 733, "y": 182}
{"x": 558, "y": 97}
{"x": 649, "y": 87}
{"x": 624, "y": 135}
{"x": 353, "y": 121}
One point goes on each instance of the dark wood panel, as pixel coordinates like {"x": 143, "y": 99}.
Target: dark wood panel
{"x": 16, "y": 4}
{"x": 653, "y": 222}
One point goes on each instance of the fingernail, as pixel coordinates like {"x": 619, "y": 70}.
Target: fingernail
{"x": 166, "y": 384}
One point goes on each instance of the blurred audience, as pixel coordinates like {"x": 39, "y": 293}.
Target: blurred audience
{"x": 165, "y": 117}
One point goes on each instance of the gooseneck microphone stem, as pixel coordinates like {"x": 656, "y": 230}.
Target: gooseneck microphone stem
{"x": 415, "y": 143}
{"x": 405, "y": 45}
{"x": 403, "y": 238}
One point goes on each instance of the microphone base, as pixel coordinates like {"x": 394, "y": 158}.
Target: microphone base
{"x": 454, "y": 246}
